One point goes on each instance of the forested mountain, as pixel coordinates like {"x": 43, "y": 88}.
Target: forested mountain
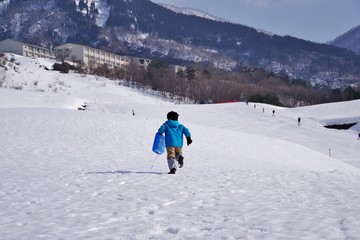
{"x": 143, "y": 28}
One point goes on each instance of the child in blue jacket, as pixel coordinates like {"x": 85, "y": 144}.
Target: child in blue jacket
{"x": 174, "y": 132}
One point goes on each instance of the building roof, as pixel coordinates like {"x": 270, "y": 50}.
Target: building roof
{"x": 30, "y": 45}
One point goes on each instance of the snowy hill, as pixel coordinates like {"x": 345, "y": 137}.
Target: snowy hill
{"x": 70, "y": 174}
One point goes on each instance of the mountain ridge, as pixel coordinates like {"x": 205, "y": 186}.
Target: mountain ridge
{"x": 195, "y": 12}
{"x": 143, "y": 28}
{"x": 349, "y": 40}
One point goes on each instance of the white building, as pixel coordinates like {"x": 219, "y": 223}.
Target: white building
{"x": 75, "y": 53}
{"x": 90, "y": 56}
{"x": 179, "y": 68}
{"x": 141, "y": 63}
{"x": 24, "y": 49}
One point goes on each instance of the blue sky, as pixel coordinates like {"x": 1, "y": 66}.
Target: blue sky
{"x": 314, "y": 20}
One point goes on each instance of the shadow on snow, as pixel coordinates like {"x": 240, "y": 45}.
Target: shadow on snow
{"x": 124, "y": 172}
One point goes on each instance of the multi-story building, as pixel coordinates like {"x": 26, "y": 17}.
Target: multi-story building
{"x": 141, "y": 63}
{"x": 76, "y": 53}
{"x": 90, "y": 56}
{"x": 26, "y": 50}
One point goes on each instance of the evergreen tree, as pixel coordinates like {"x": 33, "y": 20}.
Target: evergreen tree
{"x": 190, "y": 73}
{"x": 82, "y": 5}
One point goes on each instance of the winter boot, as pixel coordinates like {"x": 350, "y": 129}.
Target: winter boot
{"x": 181, "y": 161}
{"x": 172, "y": 163}
{"x": 172, "y": 171}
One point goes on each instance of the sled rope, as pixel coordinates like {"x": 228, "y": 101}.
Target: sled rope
{"x": 156, "y": 157}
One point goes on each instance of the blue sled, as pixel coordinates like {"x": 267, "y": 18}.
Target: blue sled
{"x": 159, "y": 144}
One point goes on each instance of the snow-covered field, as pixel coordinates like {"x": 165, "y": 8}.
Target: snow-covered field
{"x": 69, "y": 174}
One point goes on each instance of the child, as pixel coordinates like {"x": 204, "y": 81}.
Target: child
{"x": 174, "y": 132}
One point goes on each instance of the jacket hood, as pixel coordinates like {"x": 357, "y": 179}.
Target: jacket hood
{"x": 172, "y": 123}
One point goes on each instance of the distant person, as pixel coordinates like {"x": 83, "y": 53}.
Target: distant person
{"x": 174, "y": 132}
{"x": 133, "y": 112}
{"x": 299, "y": 121}
{"x": 263, "y": 110}
{"x": 254, "y": 105}
{"x": 273, "y": 113}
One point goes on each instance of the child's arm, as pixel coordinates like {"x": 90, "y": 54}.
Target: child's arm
{"x": 162, "y": 129}
{"x": 187, "y": 135}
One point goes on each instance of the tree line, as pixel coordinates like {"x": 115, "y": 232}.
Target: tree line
{"x": 206, "y": 84}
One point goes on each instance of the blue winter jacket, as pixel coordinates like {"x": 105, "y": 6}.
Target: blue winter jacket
{"x": 174, "y": 133}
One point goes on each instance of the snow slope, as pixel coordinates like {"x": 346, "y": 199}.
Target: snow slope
{"x": 191, "y": 11}
{"x": 69, "y": 174}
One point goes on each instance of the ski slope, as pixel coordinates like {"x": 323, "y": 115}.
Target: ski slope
{"x": 70, "y": 174}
